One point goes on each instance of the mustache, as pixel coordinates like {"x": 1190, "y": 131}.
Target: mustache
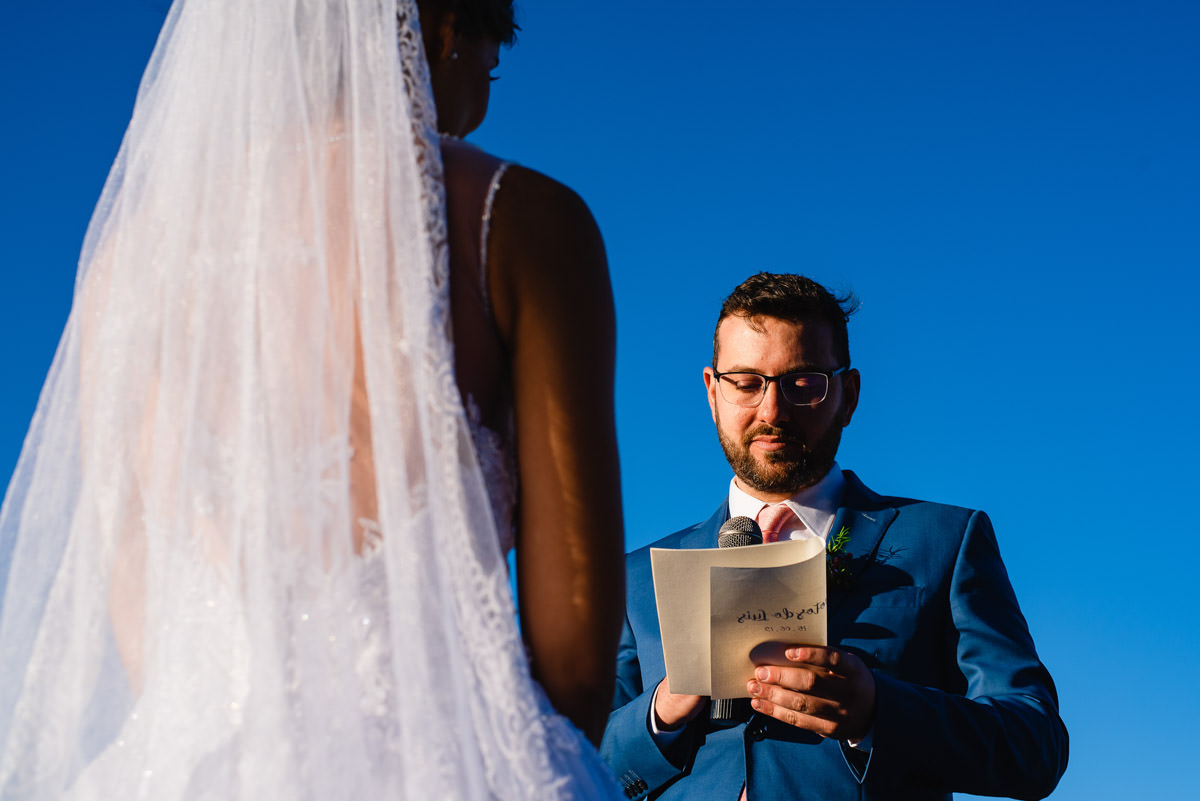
{"x": 785, "y": 436}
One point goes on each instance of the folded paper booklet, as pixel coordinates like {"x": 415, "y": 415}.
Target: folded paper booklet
{"x": 722, "y": 611}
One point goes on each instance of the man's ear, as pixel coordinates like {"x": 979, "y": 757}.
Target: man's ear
{"x": 851, "y": 384}
{"x": 710, "y": 383}
{"x": 446, "y": 37}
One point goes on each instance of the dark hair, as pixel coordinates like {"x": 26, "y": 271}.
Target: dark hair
{"x": 475, "y": 18}
{"x": 793, "y": 298}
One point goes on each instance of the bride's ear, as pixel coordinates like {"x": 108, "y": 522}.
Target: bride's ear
{"x": 447, "y": 38}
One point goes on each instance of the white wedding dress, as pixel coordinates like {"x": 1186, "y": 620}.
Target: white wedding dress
{"x": 253, "y": 553}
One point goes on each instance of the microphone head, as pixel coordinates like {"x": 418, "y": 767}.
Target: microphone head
{"x": 739, "y": 531}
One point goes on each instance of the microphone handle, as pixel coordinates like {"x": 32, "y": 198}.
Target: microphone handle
{"x": 736, "y": 532}
{"x": 729, "y": 710}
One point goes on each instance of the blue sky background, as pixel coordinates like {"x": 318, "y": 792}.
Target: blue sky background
{"x": 1012, "y": 188}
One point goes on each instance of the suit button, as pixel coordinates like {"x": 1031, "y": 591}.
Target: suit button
{"x": 633, "y": 784}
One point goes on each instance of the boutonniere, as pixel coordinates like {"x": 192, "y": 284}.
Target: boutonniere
{"x": 839, "y": 562}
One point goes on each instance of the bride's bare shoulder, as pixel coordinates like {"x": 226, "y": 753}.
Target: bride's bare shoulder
{"x": 466, "y": 166}
{"x": 525, "y": 196}
{"x": 546, "y": 253}
{"x": 532, "y": 205}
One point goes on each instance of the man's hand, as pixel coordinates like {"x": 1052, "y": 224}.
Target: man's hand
{"x": 672, "y": 711}
{"x": 823, "y": 690}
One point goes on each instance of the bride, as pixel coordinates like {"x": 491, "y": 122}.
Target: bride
{"x": 323, "y": 369}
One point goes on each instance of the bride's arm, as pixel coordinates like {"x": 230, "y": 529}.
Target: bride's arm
{"x": 550, "y": 290}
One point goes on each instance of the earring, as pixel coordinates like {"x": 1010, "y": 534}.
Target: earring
{"x": 454, "y": 55}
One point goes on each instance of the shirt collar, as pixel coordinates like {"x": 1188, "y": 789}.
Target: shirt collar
{"x": 816, "y": 506}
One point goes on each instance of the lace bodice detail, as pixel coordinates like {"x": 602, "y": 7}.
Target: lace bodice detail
{"x": 498, "y": 464}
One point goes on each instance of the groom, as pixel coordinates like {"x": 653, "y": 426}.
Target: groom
{"x": 930, "y": 684}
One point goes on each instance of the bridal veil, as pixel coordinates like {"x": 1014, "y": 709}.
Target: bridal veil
{"x": 252, "y": 553}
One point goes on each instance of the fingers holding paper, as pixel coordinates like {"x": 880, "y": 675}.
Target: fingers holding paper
{"x": 824, "y": 690}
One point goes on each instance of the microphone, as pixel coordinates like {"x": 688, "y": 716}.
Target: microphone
{"x": 739, "y": 531}
{"x": 736, "y": 533}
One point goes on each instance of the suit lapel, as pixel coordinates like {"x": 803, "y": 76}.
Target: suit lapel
{"x": 866, "y": 516}
{"x": 704, "y": 535}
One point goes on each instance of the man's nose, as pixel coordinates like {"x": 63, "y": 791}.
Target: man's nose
{"x": 774, "y": 407}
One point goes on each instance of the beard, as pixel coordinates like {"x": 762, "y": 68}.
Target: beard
{"x": 801, "y": 464}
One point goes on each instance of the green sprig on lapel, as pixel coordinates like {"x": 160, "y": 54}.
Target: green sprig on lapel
{"x": 839, "y": 561}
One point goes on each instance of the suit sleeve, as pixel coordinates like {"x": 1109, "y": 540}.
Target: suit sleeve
{"x": 628, "y": 747}
{"x": 1003, "y": 736}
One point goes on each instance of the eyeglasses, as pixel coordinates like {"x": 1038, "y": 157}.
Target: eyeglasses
{"x": 806, "y": 388}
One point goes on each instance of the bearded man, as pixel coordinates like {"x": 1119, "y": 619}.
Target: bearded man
{"x": 930, "y": 684}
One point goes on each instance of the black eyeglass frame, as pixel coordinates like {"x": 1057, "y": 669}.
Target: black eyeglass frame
{"x": 768, "y": 379}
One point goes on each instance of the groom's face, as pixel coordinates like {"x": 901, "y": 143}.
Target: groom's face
{"x": 776, "y": 448}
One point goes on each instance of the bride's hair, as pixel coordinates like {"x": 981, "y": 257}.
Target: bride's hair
{"x": 472, "y": 18}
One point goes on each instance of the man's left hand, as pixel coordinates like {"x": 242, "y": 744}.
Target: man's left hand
{"x": 824, "y": 690}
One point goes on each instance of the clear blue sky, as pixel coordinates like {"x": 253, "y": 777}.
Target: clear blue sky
{"x": 1012, "y": 188}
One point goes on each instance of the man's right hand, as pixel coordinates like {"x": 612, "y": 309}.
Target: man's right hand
{"x": 671, "y": 711}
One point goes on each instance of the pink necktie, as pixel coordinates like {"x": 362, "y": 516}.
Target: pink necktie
{"x": 775, "y": 521}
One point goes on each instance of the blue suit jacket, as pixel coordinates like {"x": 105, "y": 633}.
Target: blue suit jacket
{"x": 963, "y": 702}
